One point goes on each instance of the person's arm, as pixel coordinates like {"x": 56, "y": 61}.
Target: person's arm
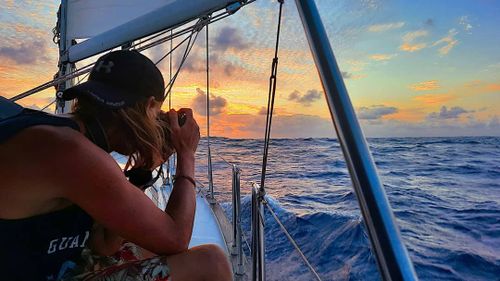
{"x": 182, "y": 210}
{"x": 103, "y": 241}
{"x": 93, "y": 180}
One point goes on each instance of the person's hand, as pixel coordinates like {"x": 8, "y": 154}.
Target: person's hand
{"x": 184, "y": 138}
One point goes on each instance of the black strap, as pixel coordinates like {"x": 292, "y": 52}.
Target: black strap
{"x": 142, "y": 178}
{"x": 28, "y": 118}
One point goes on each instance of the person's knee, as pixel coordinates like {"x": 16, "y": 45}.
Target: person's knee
{"x": 215, "y": 259}
{"x": 212, "y": 252}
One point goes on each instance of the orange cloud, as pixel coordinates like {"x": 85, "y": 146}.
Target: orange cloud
{"x": 492, "y": 88}
{"x": 407, "y": 115}
{"x": 432, "y": 99}
{"x": 478, "y": 86}
{"x": 412, "y": 48}
{"x": 382, "y": 57}
{"x": 5, "y": 69}
{"x": 425, "y": 86}
{"x": 449, "y": 42}
{"x": 409, "y": 38}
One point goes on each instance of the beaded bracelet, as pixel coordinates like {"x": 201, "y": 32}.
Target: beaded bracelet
{"x": 190, "y": 179}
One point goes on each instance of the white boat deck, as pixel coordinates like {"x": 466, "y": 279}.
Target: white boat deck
{"x": 206, "y": 228}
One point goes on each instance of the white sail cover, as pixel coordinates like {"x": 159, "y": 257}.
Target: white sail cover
{"x": 87, "y": 18}
{"x": 112, "y": 26}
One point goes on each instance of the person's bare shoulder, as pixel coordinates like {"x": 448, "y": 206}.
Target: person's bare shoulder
{"x": 33, "y": 161}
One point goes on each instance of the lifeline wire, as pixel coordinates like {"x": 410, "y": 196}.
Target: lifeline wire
{"x": 292, "y": 241}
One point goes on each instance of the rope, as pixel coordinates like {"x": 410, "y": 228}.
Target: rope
{"x": 222, "y": 158}
{"x": 80, "y": 79}
{"x": 170, "y": 70}
{"x": 209, "y": 154}
{"x": 171, "y": 50}
{"x": 87, "y": 68}
{"x": 189, "y": 46}
{"x": 246, "y": 242}
{"x": 270, "y": 99}
{"x": 51, "y": 103}
{"x": 84, "y": 69}
{"x": 290, "y": 238}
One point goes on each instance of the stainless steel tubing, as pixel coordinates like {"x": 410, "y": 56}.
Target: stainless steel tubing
{"x": 237, "y": 249}
{"x": 392, "y": 257}
{"x": 234, "y": 248}
{"x": 258, "y": 247}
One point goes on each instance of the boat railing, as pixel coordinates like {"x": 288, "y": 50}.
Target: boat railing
{"x": 258, "y": 247}
{"x": 236, "y": 248}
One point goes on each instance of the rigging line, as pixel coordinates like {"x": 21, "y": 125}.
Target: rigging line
{"x": 222, "y": 158}
{"x": 285, "y": 231}
{"x": 82, "y": 78}
{"x": 51, "y": 83}
{"x": 170, "y": 70}
{"x": 215, "y": 18}
{"x": 170, "y": 52}
{"x": 270, "y": 100}
{"x": 84, "y": 70}
{"x": 209, "y": 154}
{"x": 181, "y": 32}
{"x": 78, "y": 72}
{"x": 51, "y": 103}
{"x": 208, "y": 87}
{"x": 172, "y": 80}
{"x": 186, "y": 53}
{"x": 246, "y": 242}
{"x": 165, "y": 39}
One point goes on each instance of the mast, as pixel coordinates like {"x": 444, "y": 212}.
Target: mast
{"x": 392, "y": 257}
{"x": 63, "y": 106}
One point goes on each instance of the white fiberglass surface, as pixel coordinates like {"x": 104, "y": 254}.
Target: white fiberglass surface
{"x": 91, "y": 17}
{"x": 206, "y": 229}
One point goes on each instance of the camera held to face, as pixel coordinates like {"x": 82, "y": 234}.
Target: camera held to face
{"x": 165, "y": 122}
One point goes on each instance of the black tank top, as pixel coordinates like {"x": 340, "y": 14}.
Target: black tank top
{"x": 43, "y": 247}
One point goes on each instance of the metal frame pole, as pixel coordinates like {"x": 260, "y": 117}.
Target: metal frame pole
{"x": 258, "y": 247}
{"x": 392, "y": 257}
{"x": 236, "y": 249}
{"x": 65, "y": 67}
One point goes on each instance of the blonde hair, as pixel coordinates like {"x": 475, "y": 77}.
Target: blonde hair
{"x": 143, "y": 133}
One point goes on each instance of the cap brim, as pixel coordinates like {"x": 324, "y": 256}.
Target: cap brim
{"x": 102, "y": 93}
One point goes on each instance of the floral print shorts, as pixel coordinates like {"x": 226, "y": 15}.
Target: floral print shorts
{"x": 126, "y": 265}
{"x": 153, "y": 269}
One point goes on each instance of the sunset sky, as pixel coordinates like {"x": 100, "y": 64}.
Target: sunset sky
{"x": 412, "y": 68}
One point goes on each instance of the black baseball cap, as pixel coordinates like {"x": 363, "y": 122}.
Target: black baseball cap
{"x": 120, "y": 79}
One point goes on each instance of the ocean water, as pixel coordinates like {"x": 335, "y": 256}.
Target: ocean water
{"x": 445, "y": 194}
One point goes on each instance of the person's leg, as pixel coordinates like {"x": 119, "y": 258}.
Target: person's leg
{"x": 205, "y": 262}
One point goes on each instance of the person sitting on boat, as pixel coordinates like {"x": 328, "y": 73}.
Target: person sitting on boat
{"x": 61, "y": 191}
